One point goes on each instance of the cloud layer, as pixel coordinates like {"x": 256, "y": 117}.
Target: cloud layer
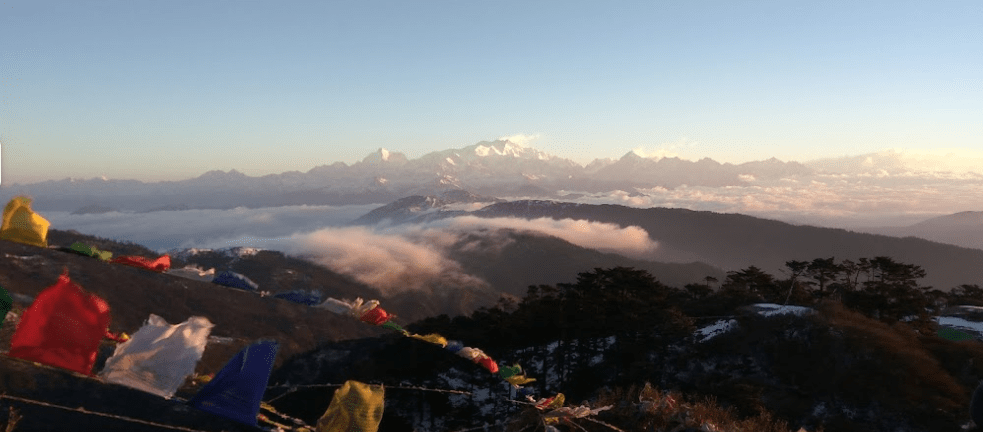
{"x": 391, "y": 262}
{"x": 832, "y": 200}
{"x": 588, "y": 234}
{"x": 410, "y": 257}
{"x": 390, "y": 258}
{"x": 207, "y": 228}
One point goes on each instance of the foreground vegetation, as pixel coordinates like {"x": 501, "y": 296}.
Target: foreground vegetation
{"x": 867, "y": 359}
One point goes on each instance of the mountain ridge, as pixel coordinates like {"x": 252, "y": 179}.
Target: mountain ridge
{"x": 489, "y": 167}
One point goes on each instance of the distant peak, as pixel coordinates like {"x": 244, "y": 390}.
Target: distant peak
{"x": 220, "y": 173}
{"x": 499, "y": 148}
{"x": 384, "y": 155}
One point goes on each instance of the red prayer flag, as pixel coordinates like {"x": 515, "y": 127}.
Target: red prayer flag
{"x": 376, "y": 316}
{"x": 159, "y": 265}
{"x": 488, "y": 363}
{"x": 62, "y": 328}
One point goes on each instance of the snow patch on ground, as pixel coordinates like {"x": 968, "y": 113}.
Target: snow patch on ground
{"x": 777, "y": 309}
{"x": 961, "y": 324}
{"x": 719, "y": 327}
{"x": 454, "y": 383}
{"x": 484, "y": 394}
{"x": 32, "y": 257}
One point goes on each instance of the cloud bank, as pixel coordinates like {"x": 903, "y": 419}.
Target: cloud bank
{"x": 830, "y": 200}
{"x": 166, "y": 230}
{"x": 390, "y": 258}
{"x": 411, "y": 257}
{"x": 390, "y": 262}
{"x": 521, "y": 139}
{"x": 632, "y": 240}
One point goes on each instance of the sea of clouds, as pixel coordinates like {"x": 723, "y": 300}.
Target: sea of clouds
{"x": 400, "y": 257}
{"x": 391, "y": 258}
{"x": 828, "y": 200}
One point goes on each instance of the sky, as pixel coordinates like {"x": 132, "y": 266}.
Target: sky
{"x": 153, "y": 90}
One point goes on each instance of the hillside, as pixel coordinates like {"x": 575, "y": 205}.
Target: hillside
{"x": 513, "y": 260}
{"x": 133, "y": 294}
{"x": 963, "y": 229}
{"x": 734, "y": 241}
{"x": 819, "y": 367}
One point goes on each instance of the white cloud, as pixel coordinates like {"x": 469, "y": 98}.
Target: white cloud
{"x": 207, "y": 228}
{"x": 391, "y": 262}
{"x": 588, "y": 234}
{"x": 657, "y": 153}
{"x": 666, "y": 150}
{"x": 835, "y": 200}
{"x": 521, "y": 139}
{"x": 390, "y": 258}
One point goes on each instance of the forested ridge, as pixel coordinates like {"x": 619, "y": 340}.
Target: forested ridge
{"x": 869, "y": 358}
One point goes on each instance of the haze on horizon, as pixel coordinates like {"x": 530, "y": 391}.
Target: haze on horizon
{"x": 169, "y": 90}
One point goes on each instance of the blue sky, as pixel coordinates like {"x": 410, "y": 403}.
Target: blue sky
{"x": 113, "y": 88}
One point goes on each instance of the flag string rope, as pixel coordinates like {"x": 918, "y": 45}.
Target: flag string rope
{"x": 96, "y": 413}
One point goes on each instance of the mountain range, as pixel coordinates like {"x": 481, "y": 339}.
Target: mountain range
{"x": 497, "y": 168}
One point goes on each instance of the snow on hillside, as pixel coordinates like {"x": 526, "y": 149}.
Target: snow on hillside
{"x": 769, "y": 309}
{"x": 763, "y": 309}
{"x": 717, "y": 328}
{"x": 962, "y": 324}
{"x": 232, "y": 252}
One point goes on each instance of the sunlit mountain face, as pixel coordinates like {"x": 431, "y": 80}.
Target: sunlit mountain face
{"x": 890, "y": 188}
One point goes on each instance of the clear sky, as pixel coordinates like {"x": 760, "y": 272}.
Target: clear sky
{"x": 90, "y": 88}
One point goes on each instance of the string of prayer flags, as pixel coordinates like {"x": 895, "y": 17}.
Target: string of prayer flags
{"x": 551, "y": 403}
{"x": 235, "y": 280}
{"x": 62, "y": 327}
{"x": 519, "y": 380}
{"x": 158, "y": 265}
{"x": 479, "y": 357}
{"x": 159, "y": 356}
{"x": 355, "y": 406}
{"x": 355, "y": 308}
{"x": 513, "y": 375}
{"x": 299, "y": 425}
{"x": 23, "y": 225}
{"x": 237, "y": 389}
{"x": 376, "y": 316}
{"x": 393, "y": 326}
{"x": 454, "y": 346}
{"x": 120, "y": 338}
{"x": 435, "y": 339}
{"x": 567, "y": 413}
{"x": 90, "y": 251}
{"x": 370, "y": 312}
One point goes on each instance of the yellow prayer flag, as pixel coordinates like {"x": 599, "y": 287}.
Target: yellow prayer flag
{"x": 432, "y": 338}
{"x": 22, "y": 225}
{"x": 519, "y": 380}
{"x": 355, "y": 407}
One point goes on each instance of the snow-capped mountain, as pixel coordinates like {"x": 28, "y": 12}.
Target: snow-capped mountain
{"x": 417, "y": 208}
{"x": 497, "y": 168}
